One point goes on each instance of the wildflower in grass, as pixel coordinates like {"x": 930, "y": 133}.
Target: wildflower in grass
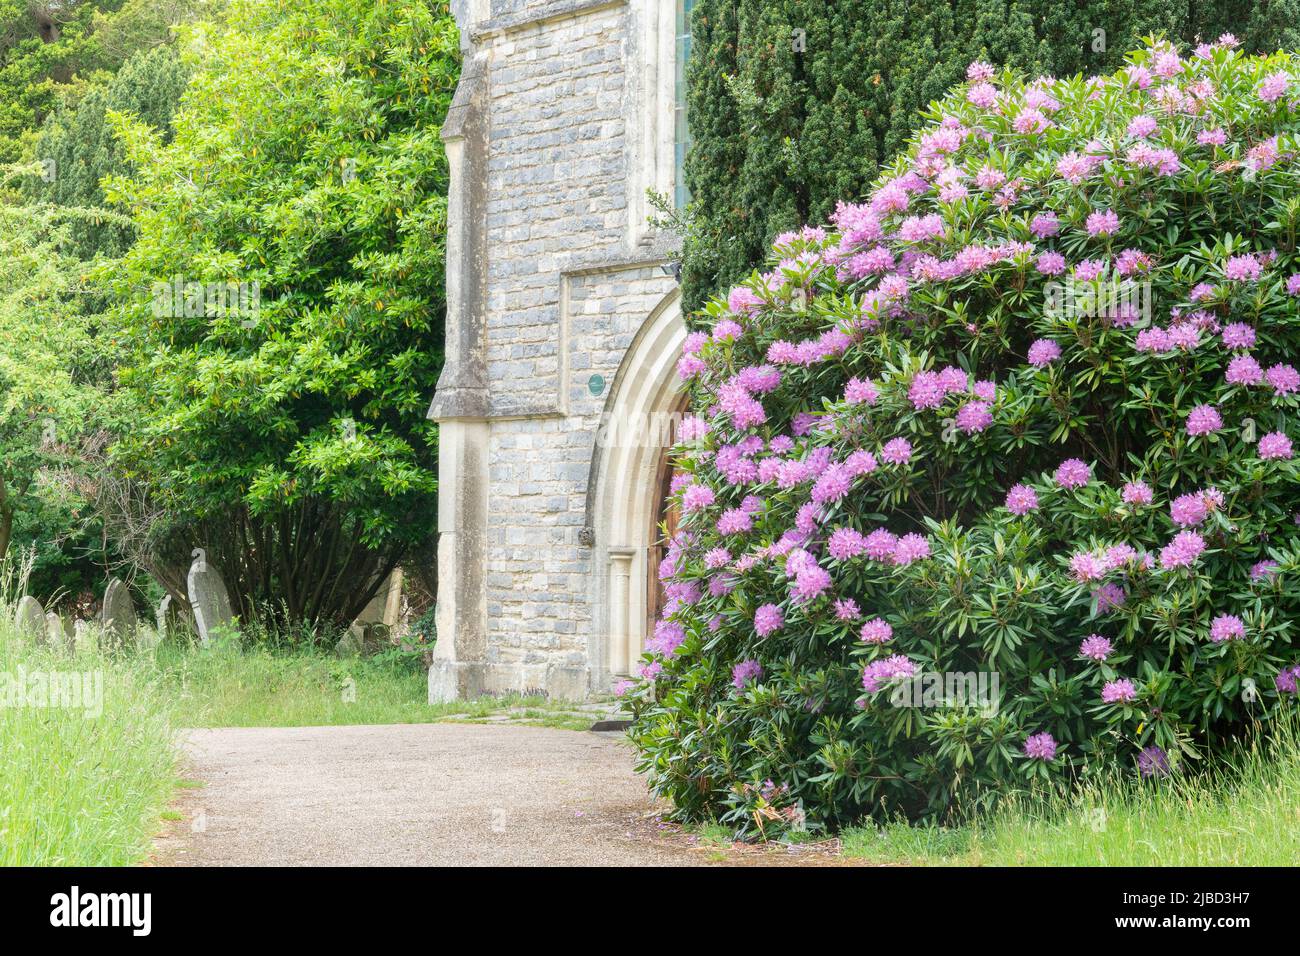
{"x": 1153, "y": 761}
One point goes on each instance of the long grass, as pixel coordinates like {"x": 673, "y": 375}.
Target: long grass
{"x": 234, "y": 684}
{"x": 1246, "y": 813}
{"x": 79, "y": 785}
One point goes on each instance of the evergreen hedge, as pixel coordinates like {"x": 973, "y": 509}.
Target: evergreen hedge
{"x": 780, "y": 135}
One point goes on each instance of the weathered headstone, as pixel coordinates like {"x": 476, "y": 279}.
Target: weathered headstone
{"x": 55, "y": 633}
{"x": 209, "y": 598}
{"x": 83, "y": 640}
{"x": 386, "y": 607}
{"x": 170, "y": 617}
{"x": 349, "y": 645}
{"x": 30, "y": 620}
{"x": 117, "y": 619}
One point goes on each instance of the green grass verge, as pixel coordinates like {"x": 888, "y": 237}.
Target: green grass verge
{"x": 79, "y": 787}
{"x": 229, "y": 685}
{"x": 1248, "y": 814}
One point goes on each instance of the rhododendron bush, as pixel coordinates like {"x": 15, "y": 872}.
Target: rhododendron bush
{"x": 1021, "y": 420}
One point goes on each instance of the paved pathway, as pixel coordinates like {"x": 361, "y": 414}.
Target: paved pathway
{"x": 413, "y": 794}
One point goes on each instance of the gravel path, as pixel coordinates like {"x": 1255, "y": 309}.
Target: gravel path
{"x": 413, "y": 794}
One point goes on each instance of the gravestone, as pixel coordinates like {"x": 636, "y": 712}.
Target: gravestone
{"x": 55, "y": 633}
{"x": 209, "y": 598}
{"x": 385, "y": 607}
{"x": 349, "y": 645}
{"x": 83, "y": 641}
{"x": 117, "y": 619}
{"x": 170, "y": 617}
{"x": 30, "y": 620}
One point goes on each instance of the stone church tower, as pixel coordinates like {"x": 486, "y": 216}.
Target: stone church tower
{"x": 563, "y": 330}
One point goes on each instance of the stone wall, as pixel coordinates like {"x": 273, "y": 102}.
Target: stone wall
{"x": 566, "y": 290}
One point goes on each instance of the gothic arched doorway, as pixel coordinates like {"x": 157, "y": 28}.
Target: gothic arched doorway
{"x": 629, "y": 485}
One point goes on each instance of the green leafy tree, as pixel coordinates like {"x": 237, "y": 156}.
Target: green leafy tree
{"x": 780, "y": 134}
{"x": 287, "y": 435}
{"x": 48, "y": 366}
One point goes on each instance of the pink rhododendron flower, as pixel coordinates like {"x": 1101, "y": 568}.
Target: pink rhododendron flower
{"x": 1040, "y": 747}
{"x": 1203, "y": 419}
{"x": 1095, "y": 647}
{"x": 1044, "y": 352}
{"x": 1021, "y": 500}
{"x": 910, "y": 548}
{"x": 1244, "y": 370}
{"x": 744, "y": 672}
{"x": 1073, "y": 473}
{"x": 1274, "y": 445}
{"x": 974, "y": 417}
{"x": 1102, "y": 223}
{"x": 897, "y": 451}
{"x": 1182, "y": 551}
{"x": 1118, "y": 691}
{"x": 1227, "y": 627}
{"x": 1284, "y": 379}
{"x": 877, "y": 631}
{"x": 877, "y": 673}
{"x": 1137, "y": 493}
{"x": 768, "y": 619}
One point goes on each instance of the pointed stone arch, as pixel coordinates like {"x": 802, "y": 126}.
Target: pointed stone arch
{"x": 636, "y": 426}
